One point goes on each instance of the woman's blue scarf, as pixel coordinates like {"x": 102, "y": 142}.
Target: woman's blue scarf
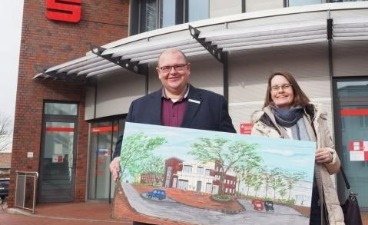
{"x": 287, "y": 117}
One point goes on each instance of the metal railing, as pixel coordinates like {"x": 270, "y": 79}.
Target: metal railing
{"x": 25, "y": 190}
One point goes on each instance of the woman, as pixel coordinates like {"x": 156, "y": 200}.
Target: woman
{"x": 288, "y": 113}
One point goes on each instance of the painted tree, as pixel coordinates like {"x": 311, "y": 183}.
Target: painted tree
{"x": 226, "y": 155}
{"x": 255, "y": 180}
{"x": 136, "y": 149}
{"x": 247, "y": 171}
{"x": 282, "y": 192}
{"x": 256, "y": 183}
{"x": 266, "y": 176}
{"x": 153, "y": 165}
{"x": 291, "y": 179}
{"x": 240, "y": 173}
{"x": 276, "y": 180}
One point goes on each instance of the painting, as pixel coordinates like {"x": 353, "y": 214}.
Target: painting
{"x": 188, "y": 176}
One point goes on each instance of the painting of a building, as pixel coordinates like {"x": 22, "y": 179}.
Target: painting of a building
{"x": 194, "y": 176}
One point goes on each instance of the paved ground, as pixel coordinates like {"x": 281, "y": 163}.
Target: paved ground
{"x": 89, "y": 213}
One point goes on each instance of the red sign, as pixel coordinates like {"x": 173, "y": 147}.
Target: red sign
{"x": 59, "y": 129}
{"x": 358, "y": 150}
{"x": 354, "y": 112}
{"x": 246, "y": 128}
{"x": 64, "y": 10}
{"x": 104, "y": 129}
{"x": 57, "y": 158}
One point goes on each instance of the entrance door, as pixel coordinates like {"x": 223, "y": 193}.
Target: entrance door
{"x": 102, "y": 142}
{"x": 352, "y": 135}
{"x": 199, "y": 186}
{"x": 57, "y": 163}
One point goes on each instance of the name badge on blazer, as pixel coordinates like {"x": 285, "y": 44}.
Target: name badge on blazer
{"x": 194, "y": 101}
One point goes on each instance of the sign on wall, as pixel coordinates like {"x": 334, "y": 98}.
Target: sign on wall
{"x": 207, "y": 177}
{"x": 358, "y": 150}
{"x": 246, "y": 128}
{"x": 65, "y": 10}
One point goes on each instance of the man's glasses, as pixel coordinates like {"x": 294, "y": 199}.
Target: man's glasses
{"x": 177, "y": 68}
{"x": 283, "y": 87}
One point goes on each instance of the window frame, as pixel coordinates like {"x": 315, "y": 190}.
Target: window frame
{"x": 138, "y": 14}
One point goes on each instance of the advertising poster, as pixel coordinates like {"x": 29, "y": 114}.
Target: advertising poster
{"x": 187, "y": 176}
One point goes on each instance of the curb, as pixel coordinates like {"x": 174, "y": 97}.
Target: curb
{"x": 18, "y": 211}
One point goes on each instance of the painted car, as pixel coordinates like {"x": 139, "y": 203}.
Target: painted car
{"x": 269, "y": 205}
{"x": 258, "y": 204}
{"x": 157, "y": 193}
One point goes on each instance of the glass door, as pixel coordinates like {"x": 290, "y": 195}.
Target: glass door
{"x": 103, "y": 139}
{"x": 352, "y": 135}
{"x": 57, "y": 162}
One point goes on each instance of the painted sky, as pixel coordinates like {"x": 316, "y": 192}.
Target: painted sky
{"x": 289, "y": 155}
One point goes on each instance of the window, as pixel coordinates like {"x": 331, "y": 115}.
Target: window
{"x": 208, "y": 172}
{"x": 187, "y": 169}
{"x": 183, "y": 184}
{"x": 154, "y": 14}
{"x": 167, "y": 11}
{"x": 200, "y": 170}
{"x": 351, "y": 111}
{"x": 52, "y": 108}
{"x": 290, "y": 3}
{"x": 197, "y": 10}
{"x": 103, "y": 137}
{"x": 346, "y": 1}
{"x": 58, "y": 153}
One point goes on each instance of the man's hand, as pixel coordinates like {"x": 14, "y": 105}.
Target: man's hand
{"x": 115, "y": 168}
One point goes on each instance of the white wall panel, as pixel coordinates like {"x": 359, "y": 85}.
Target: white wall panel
{"x": 350, "y": 58}
{"x": 256, "y": 5}
{"x": 207, "y": 73}
{"x": 89, "y": 103}
{"x": 115, "y": 93}
{"x": 217, "y": 8}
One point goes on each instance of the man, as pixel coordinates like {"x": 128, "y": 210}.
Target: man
{"x": 177, "y": 104}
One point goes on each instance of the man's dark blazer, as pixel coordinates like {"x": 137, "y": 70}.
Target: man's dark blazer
{"x": 205, "y": 110}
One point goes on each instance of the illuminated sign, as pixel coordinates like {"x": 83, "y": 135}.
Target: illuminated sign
{"x": 64, "y": 10}
{"x": 246, "y": 128}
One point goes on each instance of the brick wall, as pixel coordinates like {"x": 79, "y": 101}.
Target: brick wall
{"x": 47, "y": 43}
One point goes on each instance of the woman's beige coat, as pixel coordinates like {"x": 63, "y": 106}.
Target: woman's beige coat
{"x": 317, "y": 128}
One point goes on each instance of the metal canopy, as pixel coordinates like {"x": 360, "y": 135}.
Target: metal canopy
{"x": 227, "y": 34}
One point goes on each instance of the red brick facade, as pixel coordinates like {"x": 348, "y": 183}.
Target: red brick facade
{"x": 46, "y": 43}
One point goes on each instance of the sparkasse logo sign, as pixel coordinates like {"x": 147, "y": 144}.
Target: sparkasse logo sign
{"x": 64, "y": 10}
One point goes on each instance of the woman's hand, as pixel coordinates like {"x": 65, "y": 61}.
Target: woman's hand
{"x": 323, "y": 156}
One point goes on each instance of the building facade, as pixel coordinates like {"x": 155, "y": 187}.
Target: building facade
{"x": 194, "y": 176}
{"x": 78, "y": 77}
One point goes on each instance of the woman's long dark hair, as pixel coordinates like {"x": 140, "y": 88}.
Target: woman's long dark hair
{"x": 299, "y": 96}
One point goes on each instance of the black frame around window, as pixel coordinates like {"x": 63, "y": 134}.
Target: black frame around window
{"x": 58, "y": 176}
{"x": 140, "y": 13}
{"x": 287, "y": 2}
